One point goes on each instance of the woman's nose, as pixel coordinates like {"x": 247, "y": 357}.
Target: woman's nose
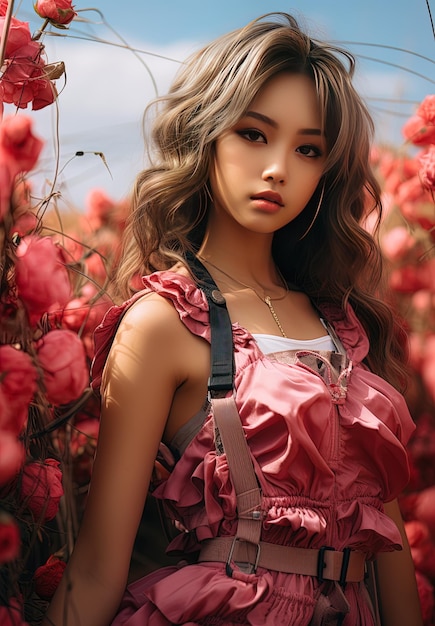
{"x": 275, "y": 171}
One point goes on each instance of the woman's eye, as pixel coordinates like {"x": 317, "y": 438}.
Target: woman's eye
{"x": 253, "y": 135}
{"x": 309, "y": 151}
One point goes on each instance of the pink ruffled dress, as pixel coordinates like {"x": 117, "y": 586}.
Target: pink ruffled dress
{"x": 325, "y": 465}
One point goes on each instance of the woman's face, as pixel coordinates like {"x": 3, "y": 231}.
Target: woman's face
{"x": 267, "y": 167}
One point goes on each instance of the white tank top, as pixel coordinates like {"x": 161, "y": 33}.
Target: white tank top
{"x": 273, "y": 343}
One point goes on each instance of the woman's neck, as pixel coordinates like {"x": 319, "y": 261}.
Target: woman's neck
{"x": 248, "y": 258}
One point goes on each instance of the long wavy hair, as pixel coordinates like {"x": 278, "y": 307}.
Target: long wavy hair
{"x": 337, "y": 261}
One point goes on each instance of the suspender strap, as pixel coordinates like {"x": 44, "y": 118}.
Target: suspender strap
{"x": 225, "y": 413}
{"x": 242, "y": 473}
{"x": 222, "y": 364}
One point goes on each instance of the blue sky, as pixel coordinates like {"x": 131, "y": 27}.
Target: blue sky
{"x": 108, "y": 87}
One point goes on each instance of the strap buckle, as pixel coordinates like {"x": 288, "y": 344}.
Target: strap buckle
{"x": 249, "y": 568}
{"x": 321, "y": 564}
{"x": 344, "y": 567}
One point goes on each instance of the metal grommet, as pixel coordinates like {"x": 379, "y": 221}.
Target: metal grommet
{"x": 217, "y": 297}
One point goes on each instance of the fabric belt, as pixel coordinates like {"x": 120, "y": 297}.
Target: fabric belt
{"x": 325, "y": 563}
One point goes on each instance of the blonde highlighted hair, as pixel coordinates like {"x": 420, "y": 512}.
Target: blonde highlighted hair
{"x": 337, "y": 261}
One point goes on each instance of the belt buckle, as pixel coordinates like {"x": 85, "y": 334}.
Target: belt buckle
{"x": 229, "y": 570}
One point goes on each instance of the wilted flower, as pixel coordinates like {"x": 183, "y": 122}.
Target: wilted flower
{"x": 18, "y": 378}
{"x": 41, "y": 276}
{"x": 41, "y": 488}
{"x": 9, "y": 538}
{"x": 47, "y": 577}
{"x": 57, "y": 11}
{"x": 65, "y": 372}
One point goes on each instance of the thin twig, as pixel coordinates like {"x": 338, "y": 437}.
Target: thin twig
{"x": 430, "y": 17}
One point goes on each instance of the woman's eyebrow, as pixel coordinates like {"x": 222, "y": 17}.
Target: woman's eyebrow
{"x": 271, "y": 122}
{"x": 262, "y": 118}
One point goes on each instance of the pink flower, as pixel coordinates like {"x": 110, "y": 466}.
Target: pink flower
{"x": 12, "y": 615}
{"x": 62, "y": 358}
{"x": 26, "y": 78}
{"x": 397, "y": 242}
{"x": 418, "y": 131}
{"x": 19, "y": 152}
{"x": 11, "y": 456}
{"x": 9, "y": 538}
{"x": 83, "y": 444}
{"x": 426, "y": 110}
{"x": 47, "y": 577}
{"x": 426, "y": 593}
{"x": 422, "y": 548}
{"x": 427, "y": 171}
{"x": 99, "y": 207}
{"x": 18, "y": 35}
{"x": 18, "y": 378}
{"x": 57, "y": 11}
{"x": 425, "y": 508}
{"x": 428, "y": 373}
{"x": 41, "y": 276}
{"x": 82, "y": 316}
{"x": 18, "y": 144}
{"x": 41, "y": 488}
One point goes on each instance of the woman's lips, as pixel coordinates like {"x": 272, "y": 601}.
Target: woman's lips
{"x": 269, "y": 201}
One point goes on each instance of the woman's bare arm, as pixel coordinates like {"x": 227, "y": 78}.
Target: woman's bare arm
{"x": 400, "y": 605}
{"x": 142, "y": 373}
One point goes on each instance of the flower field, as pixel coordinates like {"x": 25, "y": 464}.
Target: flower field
{"x": 55, "y": 276}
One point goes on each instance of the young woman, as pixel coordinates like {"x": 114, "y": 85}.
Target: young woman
{"x": 261, "y": 170}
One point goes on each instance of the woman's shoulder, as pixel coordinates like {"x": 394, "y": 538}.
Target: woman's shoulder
{"x": 169, "y": 303}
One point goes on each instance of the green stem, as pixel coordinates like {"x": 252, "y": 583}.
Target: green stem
{"x": 39, "y": 32}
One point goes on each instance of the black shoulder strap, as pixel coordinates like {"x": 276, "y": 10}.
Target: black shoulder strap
{"x": 222, "y": 361}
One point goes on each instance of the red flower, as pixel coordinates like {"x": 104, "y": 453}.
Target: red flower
{"x": 62, "y": 357}
{"x": 18, "y": 35}
{"x": 426, "y": 110}
{"x": 425, "y": 508}
{"x": 47, "y": 577}
{"x": 418, "y": 131}
{"x": 17, "y": 143}
{"x": 41, "y": 276}
{"x": 422, "y": 548}
{"x": 11, "y": 456}
{"x": 9, "y": 538}
{"x": 57, "y": 11}
{"x": 427, "y": 598}
{"x": 19, "y": 151}
{"x": 12, "y": 615}
{"x": 41, "y": 488}
{"x": 18, "y": 379}
{"x": 427, "y": 171}
{"x": 26, "y": 79}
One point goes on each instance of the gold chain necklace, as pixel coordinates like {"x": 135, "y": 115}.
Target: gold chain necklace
{"x": 266, "y": 299}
